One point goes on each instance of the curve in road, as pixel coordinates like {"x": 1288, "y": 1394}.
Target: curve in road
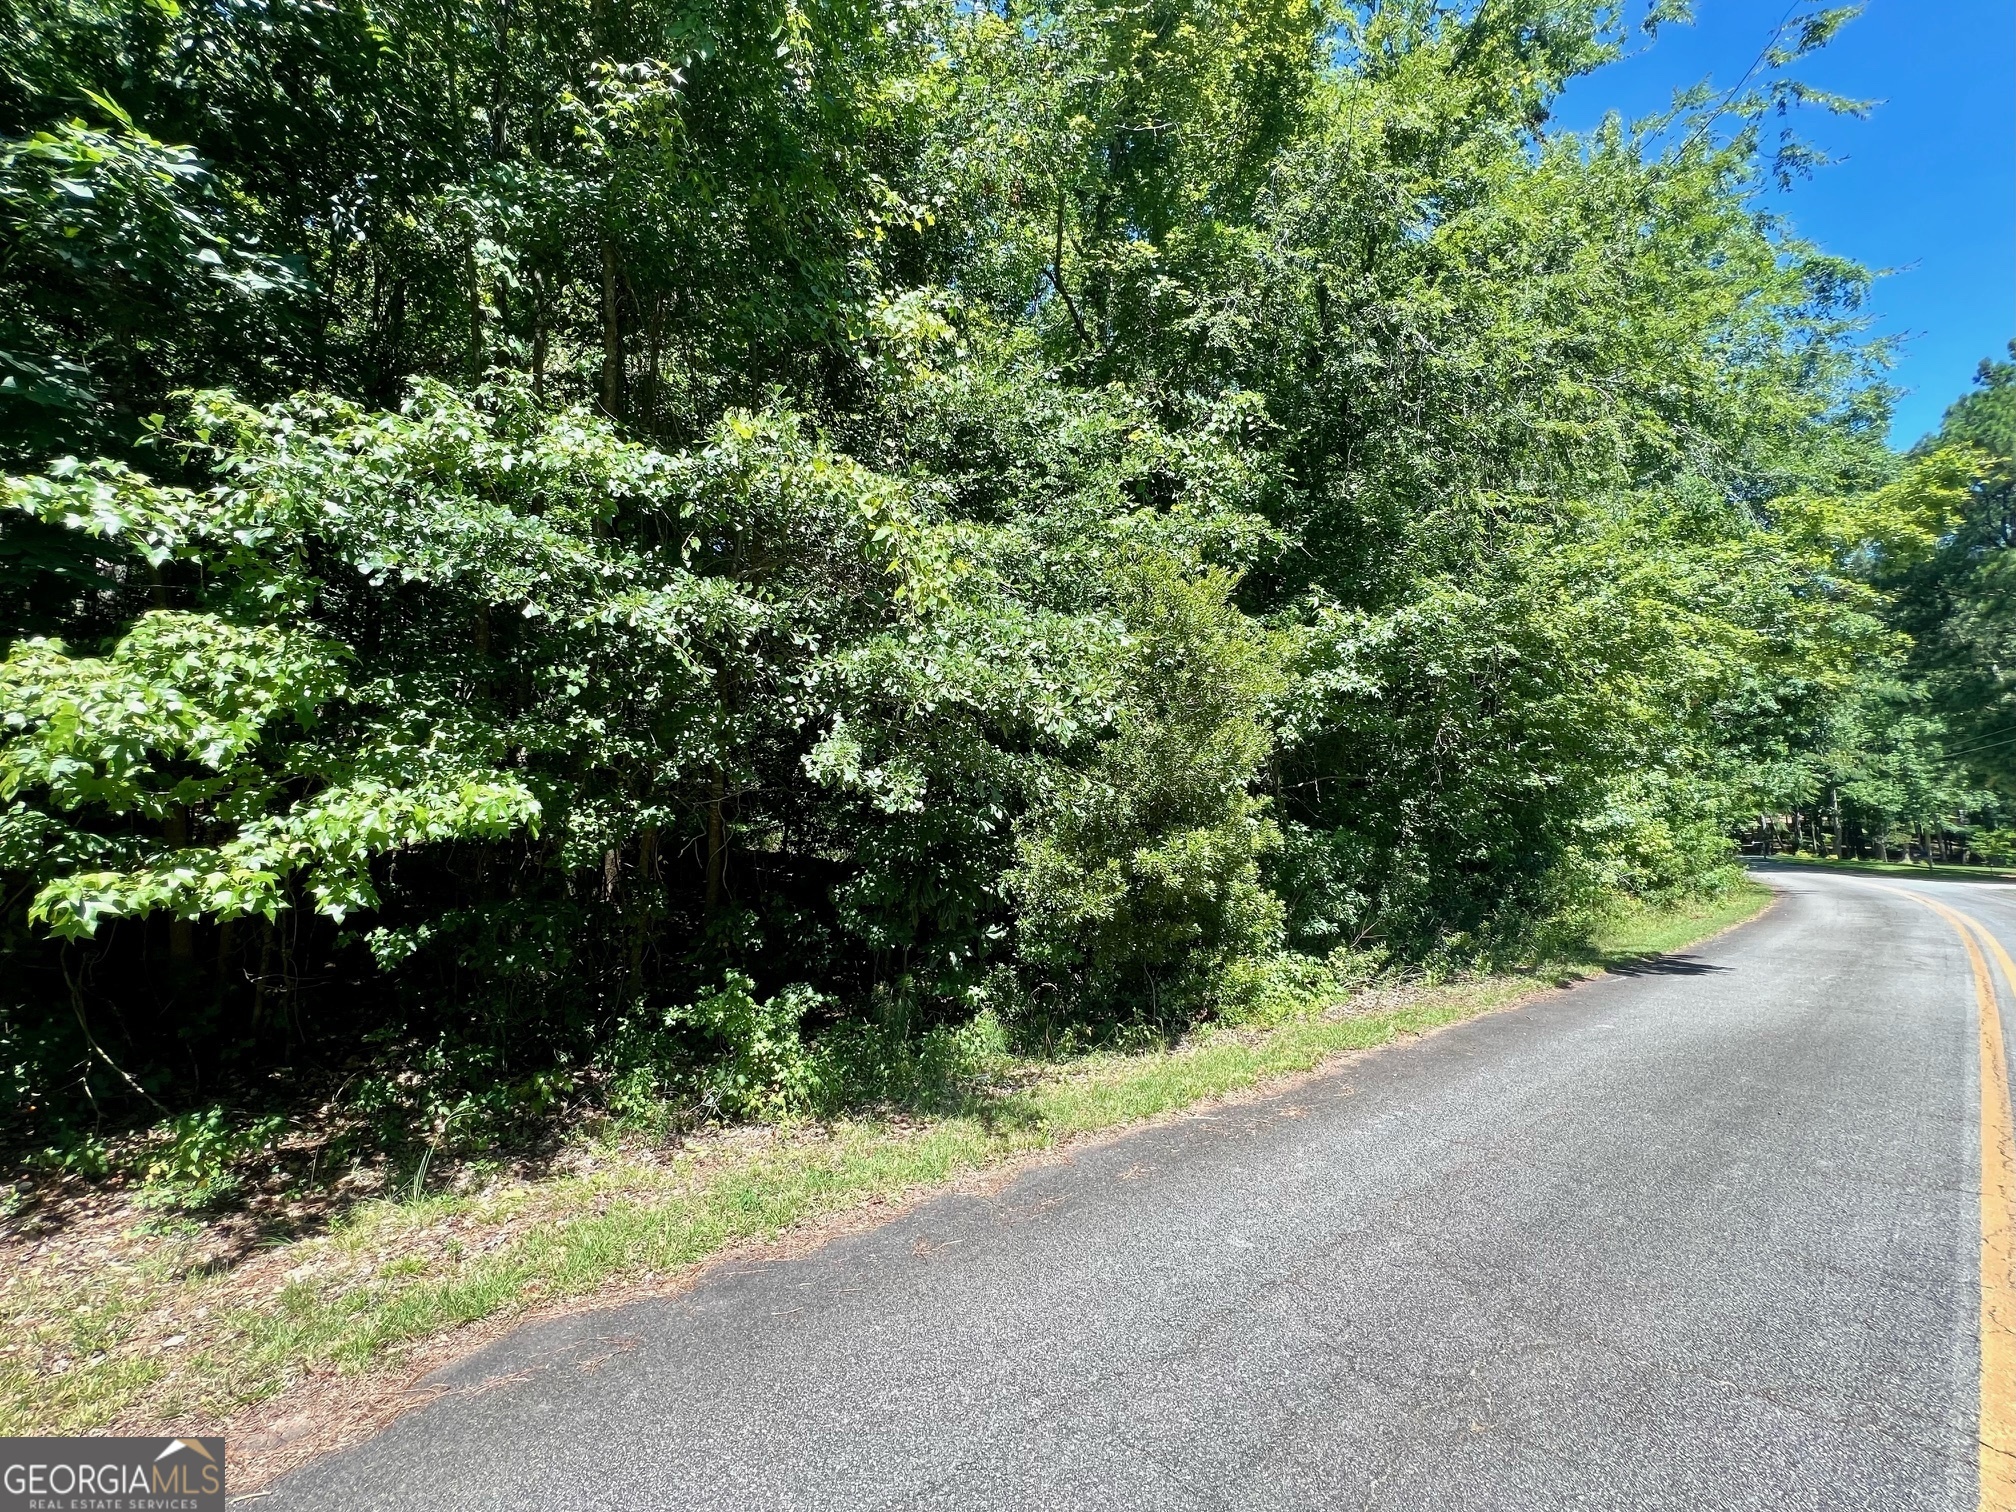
{"x": 1707, "y": 1233}
{"x": 1997, "y": 1433}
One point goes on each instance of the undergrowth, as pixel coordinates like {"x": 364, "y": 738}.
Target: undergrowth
{"x": 137, "y": 1323}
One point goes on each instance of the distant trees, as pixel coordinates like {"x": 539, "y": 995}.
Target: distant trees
{"x": 1916, "y": 754}
{"x": 1959, "y": 604}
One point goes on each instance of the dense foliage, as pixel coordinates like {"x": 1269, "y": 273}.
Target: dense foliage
{"x": 594, "y": 546}
{"x": 1959, "y": 604}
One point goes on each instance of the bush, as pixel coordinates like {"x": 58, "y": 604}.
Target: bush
{"x": 197, "y": 1158}
{"x": 1997, "y": 847}
{"x": 1138, "y": 880}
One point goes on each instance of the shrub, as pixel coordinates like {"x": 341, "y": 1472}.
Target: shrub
{"x": 197, "y": 1158}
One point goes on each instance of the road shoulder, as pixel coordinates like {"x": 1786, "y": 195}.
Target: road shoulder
{"x": 315, "y": 1345}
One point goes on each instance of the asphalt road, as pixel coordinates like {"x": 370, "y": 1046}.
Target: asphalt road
{"x": 1704, "y": 1236}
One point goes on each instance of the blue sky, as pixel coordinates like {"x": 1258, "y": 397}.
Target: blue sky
{"x": 1925, "y": 185}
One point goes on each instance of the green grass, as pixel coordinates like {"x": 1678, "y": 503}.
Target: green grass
{"x": 395, "y": 1274}
{"x": 1653, "y": 932}
{"x": 1903, "y": 869}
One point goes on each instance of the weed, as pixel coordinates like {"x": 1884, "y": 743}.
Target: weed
{"x": 196, "y": 1159}
{"x": 87, "y": 1156}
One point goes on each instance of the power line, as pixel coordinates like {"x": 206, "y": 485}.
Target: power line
{"x": 1986, "y": 745}
{"x": 1709, "y": 118}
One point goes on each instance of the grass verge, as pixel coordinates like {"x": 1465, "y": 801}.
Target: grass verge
{"x": 125, "y": 1326}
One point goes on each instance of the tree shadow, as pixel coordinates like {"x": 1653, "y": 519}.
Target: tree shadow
{"x": 1661, "y": 965}
{"x": 297, "y": 1188}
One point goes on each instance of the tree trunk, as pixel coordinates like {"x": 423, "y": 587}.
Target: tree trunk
{"x": 612, "y": 336}
{"x": 500, "y": 81}
{"x": 653, "y": 355}
{"x": 266, "y": 933}
{"x": 181, "y": 931}
{"x": 538, "y": 341}
{"x": 476, "y": 363}
{"x": 716, "y": 844}
{"x": 647, "y": 871}
{"x": 227, "y": 939}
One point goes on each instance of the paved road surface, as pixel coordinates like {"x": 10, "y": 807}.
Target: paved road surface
{"x": 1705, "y": 1236}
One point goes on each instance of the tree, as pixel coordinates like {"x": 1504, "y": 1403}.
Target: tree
{"x": 607, "y": 539}
{"x": 1959, "y": 605}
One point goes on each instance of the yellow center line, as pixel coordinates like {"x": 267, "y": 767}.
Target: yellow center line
{"x": 1998, "y": 1256}
{"x": 1998, "y": 1214}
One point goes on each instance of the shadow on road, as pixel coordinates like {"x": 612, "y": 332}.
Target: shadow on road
{"x": 1675, "y": 965}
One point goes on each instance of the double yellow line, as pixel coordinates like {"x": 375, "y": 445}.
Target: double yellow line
{"x": 1998, "y": 1213}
